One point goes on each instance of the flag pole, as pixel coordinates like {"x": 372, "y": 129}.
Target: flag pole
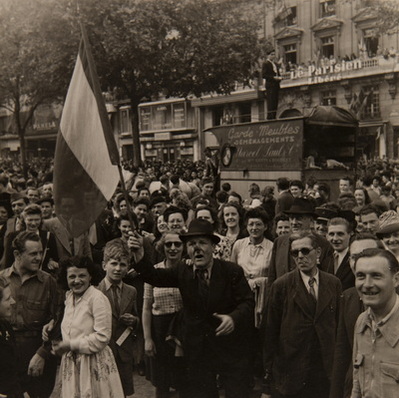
{"x": 126, "y": 196}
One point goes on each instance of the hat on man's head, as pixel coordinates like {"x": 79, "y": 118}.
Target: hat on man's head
{"x": 199, "y": 227}
{"x": 301, "y": 206}
{"x": 45, "y": 199}
{"x": 324, "y": 213}
{"x": 389, "y": 223}
{"x": 17, "y": 196}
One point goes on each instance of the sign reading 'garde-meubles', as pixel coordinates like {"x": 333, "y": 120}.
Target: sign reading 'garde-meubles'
{"x": 274, "y": 145}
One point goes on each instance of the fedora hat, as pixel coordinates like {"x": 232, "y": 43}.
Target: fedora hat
{"x": 389, "y": 223}
{"x": 301, "y": 206}
{"x": 199, "y": 227}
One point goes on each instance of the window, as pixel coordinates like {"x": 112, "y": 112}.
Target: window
{"x": 327, "y": 8}
{"x": 261, "y": 110}
{"x": 244, "y": 112}
{"x": 329, "y": 97}
{"x": 291, "y": 18}
{"x": 371, "y": 41}
{"x": 162, "y": 116}
{"x": 290, "y": 54}
{"x": 327, "y": 46}
{"x": 179, "y": 116}
{"x": 217, "y": 116}
{"x": 125, "y": 124}
{"x": 370, "y": 109}
{"x": 145, "y": 119}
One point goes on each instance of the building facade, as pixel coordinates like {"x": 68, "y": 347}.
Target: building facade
{"x": 330, "y": 54}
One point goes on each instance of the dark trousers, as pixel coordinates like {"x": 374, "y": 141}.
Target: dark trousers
{"x": 315, "y": 388}
{"x": 40, "y": 386}
{"x": 272, "y": 100}
{"x": 201, "y": 375}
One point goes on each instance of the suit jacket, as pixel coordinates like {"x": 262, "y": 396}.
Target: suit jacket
{"x": 63, "y": 239}
{"x": 341, "y": 380}
{"x": 127, "y": 305}
{"x": 284, "y": 202}
{"x": 282, "y": 262}
{"x": 345, "y": 274}
{"x": 291, "y": 327}
{"x": 268, "y": 74}
{"x": 229, "y": 293}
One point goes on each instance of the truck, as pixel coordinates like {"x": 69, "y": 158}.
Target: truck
{"x": 321, "y": 146}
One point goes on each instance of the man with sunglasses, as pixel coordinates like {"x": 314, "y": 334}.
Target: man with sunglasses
{"x": 301, "y": 324}
{"x": 301, "y": 215}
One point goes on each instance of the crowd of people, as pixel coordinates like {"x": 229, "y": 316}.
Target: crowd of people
{"x": 200, "y": 289}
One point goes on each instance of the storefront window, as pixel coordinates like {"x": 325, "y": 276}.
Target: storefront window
{"x": 145, "y": 119}
{"x": 179, "y": 117}
{"x": 162, "y": 117}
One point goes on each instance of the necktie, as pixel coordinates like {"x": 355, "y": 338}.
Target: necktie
{"x": 336, "y": 264}
{"x": 115, "y": 296}
{"x": 311, "y": 287}
{"x": 203, "y": 288}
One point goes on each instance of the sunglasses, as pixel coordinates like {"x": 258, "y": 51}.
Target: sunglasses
{"x": 305, "y": 251}
{"x": 168, "y": 245}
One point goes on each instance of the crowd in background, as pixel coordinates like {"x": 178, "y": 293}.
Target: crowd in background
{"x": 260, "y": 232}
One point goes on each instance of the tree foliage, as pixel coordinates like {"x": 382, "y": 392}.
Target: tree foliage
{"x": 175, "y": 47}
{"x": 34, "y": 60}
{"x": 142, "y": 48}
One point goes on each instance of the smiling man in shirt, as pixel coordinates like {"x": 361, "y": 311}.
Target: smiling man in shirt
{"x": 376, "y": 342}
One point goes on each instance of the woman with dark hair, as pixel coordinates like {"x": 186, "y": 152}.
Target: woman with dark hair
{"x": 175, "y": 217}
{"x": 362, "y": 198}
{"x": 161, "y": 306}
{"x": 88, "y": 367}
{"x": 232, "y": 228}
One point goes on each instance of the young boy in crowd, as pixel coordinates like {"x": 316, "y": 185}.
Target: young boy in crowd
{"x": 124, "y": 310}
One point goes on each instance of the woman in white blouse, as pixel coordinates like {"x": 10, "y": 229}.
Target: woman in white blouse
{"x": 88, "y": 367}
{"x": 253, "y": 254}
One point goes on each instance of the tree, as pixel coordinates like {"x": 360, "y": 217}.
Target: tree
{"x": 176, "y": 47}
{"x": 35, "y": 61}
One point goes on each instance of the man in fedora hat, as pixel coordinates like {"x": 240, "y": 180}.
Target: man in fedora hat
{"x": 218, "y": 308}
{"x": 301, "y": 215}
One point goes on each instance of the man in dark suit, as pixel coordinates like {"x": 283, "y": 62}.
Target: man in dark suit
{"x": 339, "y": 234}
{"x": 301, "y": 324}
{"x": 301, "y": 216}
{"x": 272, "y": 76}
{"x": 122, "y": 298}
{"x": 218, "y": 308}
{"x": 351, "y": 308}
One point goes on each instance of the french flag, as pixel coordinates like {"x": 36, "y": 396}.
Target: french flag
{"x": 86, "y": 156}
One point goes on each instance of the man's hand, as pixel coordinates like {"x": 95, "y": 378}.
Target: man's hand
{"x": 129, "y": 319}
{"x": 149, "y": 347}
{"x": 265, "y": 396}
{"x": 36, "y": 366}
{"x": 135, "y": 245}
{"x": 226, "y": 326}
{"x": 46, "y": 330}
{"x": 52, "y": 265}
